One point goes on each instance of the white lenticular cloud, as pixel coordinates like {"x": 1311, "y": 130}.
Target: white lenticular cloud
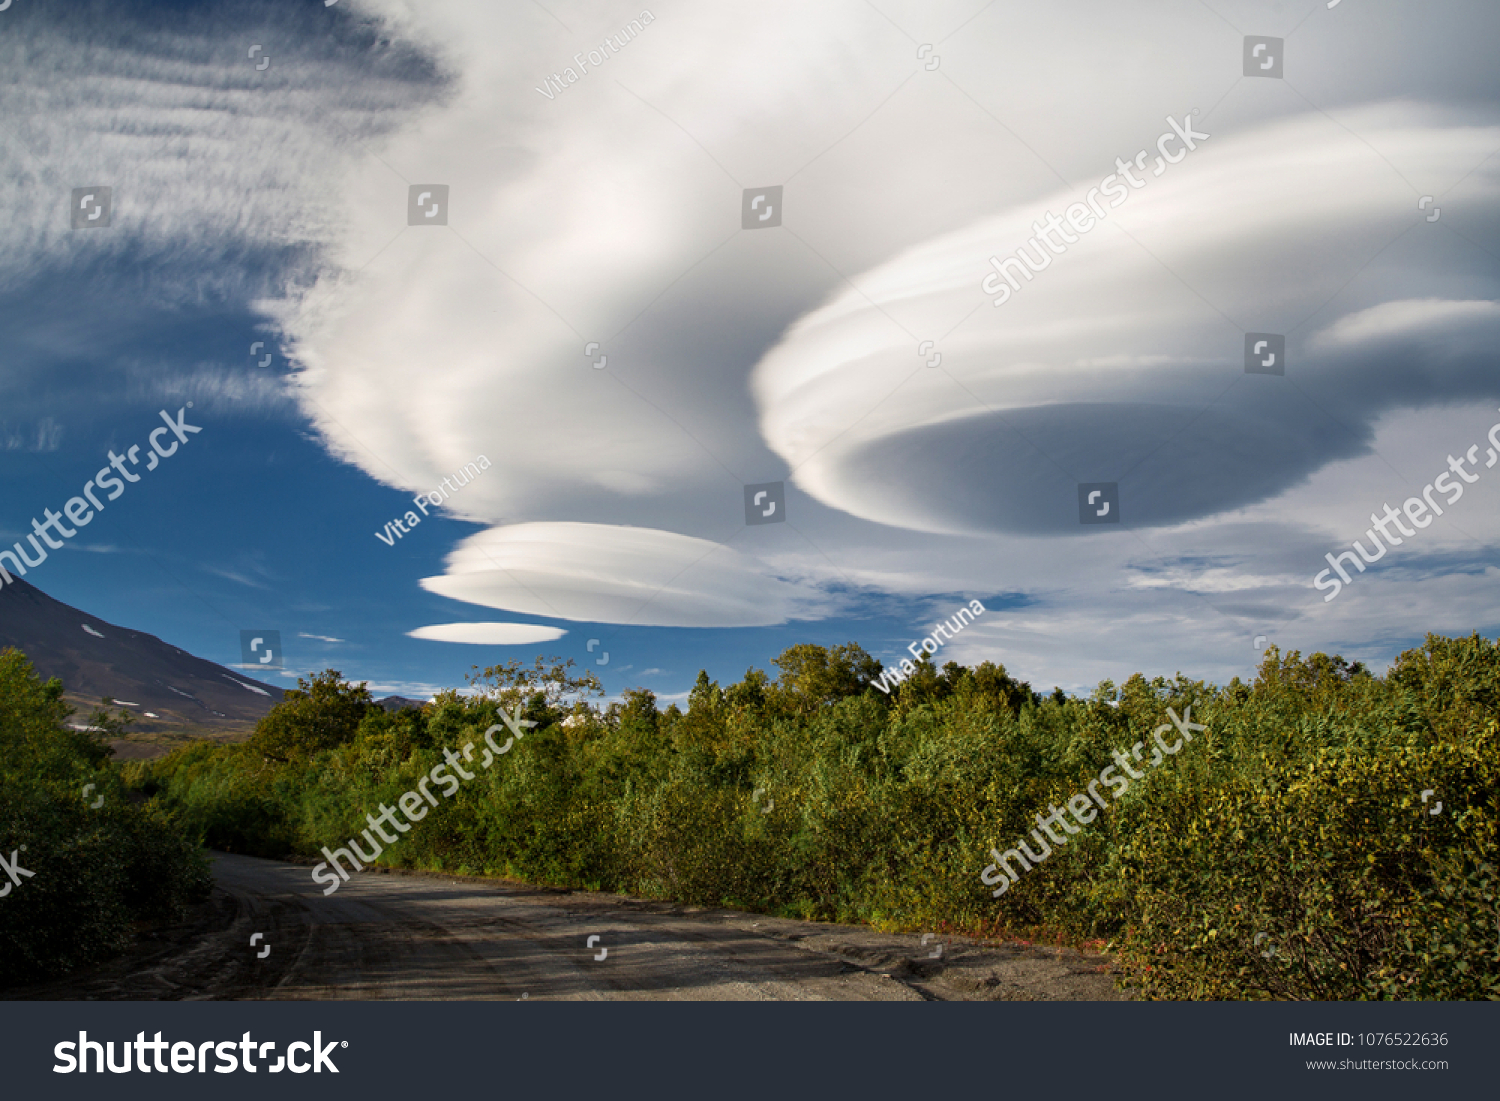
{"x": 609, "y": 214}
{"x": 1108, "y": 363}
{"x": 1418, "y": 316}
{"x": 612, "y": 574}
{"x": 488, "y": 634}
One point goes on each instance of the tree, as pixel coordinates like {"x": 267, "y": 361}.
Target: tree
{"x": 706, "y": 697}
{"x": 35, "y": 736}
{"x": 993, "y": 681}
{"x": 514, "y": 685}
{"x": 751, "y": 693}
{"x": 639, "y": 711}
{"x": 923, "y": 685}
{"x": 319, "y": 714}
{"x": 813, "y": 676}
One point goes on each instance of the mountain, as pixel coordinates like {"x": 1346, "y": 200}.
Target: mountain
{"x": 172, "y": 694}
{"x": 401, "y": 703}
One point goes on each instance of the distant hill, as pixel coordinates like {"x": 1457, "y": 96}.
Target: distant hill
{"x": 401, "y": 703}
{"x": 172, "y": 694}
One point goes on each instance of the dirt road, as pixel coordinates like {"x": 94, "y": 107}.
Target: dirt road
{"x": 428, "y": 936}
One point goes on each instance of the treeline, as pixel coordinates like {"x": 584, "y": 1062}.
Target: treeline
{"x": 1294, "y": 849}
{"x": 83, "y": 865}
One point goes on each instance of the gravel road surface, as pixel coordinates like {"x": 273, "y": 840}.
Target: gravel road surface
{"x": 425, "y": 936}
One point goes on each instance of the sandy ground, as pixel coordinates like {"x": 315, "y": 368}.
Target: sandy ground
{"x": 421, "y": 936}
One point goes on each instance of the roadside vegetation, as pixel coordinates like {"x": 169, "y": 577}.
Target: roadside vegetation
{"x": 97, "y": 873}
{"x": 1287, "y": 852}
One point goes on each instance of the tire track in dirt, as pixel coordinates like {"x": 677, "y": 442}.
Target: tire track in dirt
{"x": 428, "y": 936}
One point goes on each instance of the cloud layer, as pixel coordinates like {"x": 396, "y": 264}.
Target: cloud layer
{"x": 610, "y": 214}
{"x": 618, "y": 574}
{"x": 593, "y": 318}
{"x": 1124, "y": 359}
{"x": 488, "y": 634}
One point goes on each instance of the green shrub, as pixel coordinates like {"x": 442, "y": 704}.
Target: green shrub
{"x": 1285, "y": 853}
{"x": 95, "y": 870}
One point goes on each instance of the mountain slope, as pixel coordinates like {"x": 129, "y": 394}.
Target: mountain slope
{"x": 168, "y": 690}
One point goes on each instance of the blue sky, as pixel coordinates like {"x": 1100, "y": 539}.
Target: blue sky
{"x": 271, "y": 205}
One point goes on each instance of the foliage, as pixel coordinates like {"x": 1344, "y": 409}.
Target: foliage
{"x": 1286, "y": 852}
{"x": 513, "y": 683}
{"x": 318, "y": 714}
{"x": 95, "y": 870}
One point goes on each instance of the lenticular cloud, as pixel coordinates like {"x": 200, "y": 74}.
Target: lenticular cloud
{"x": 608, "y": 574}
{"x": 1123, "y": 360}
